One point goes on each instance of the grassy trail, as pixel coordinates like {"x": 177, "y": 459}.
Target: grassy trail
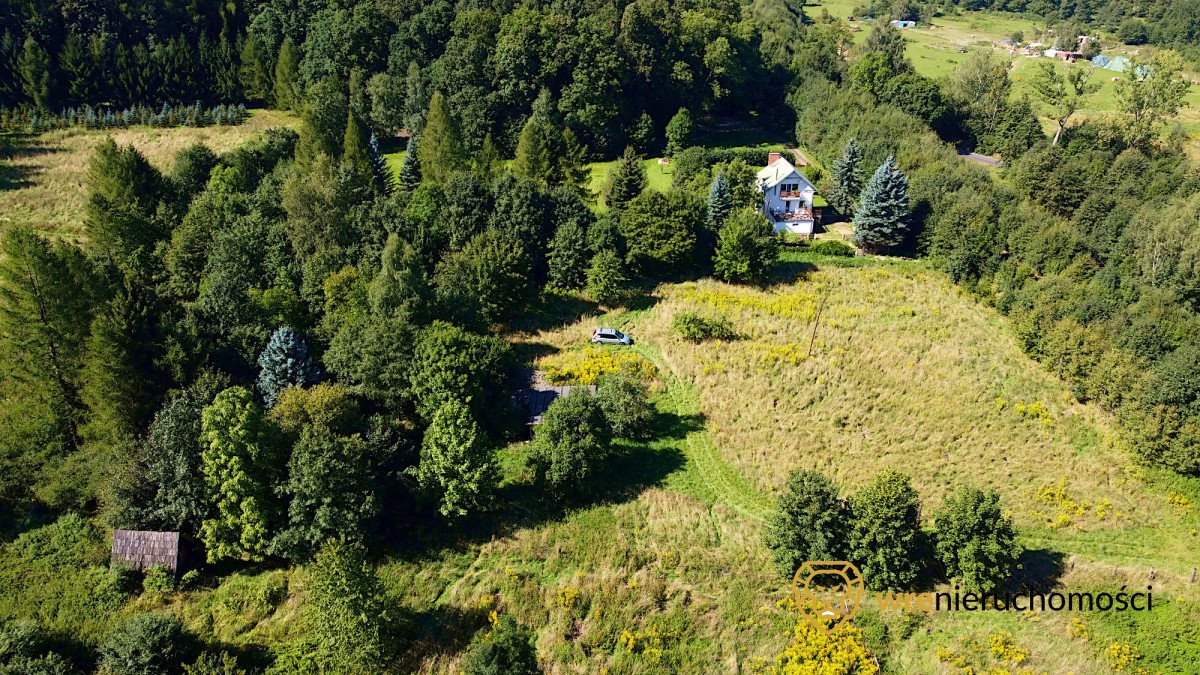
{"x": 713, "y": 478}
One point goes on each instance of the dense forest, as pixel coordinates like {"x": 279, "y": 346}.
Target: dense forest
{"x": 297, "y": 357}
{"x": 616, "y": 71}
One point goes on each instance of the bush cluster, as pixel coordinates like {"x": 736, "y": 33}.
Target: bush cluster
{"x": 878, "y": 529}
{"x": 696, "y": 328}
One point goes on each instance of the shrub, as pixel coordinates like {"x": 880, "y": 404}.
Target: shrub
{"x": 26, "y": 650}
{"x": 696, "y": 328}
{"x": 883, "y": 536}
{"x": 570, "y": 443}
{"x": 214, "y": 663}
{"x": 975, "y": 540}
{"x": 747, "y": 248}
{"x": 810, "y": 523}
{"x": 504, "y": 649}
{"x": 145, "y": 644}
{"x": 158, "y": 580}
{"x": 348, "y": 609}
{"x": 833, "y": 247}
{"x": 626, "y": 405}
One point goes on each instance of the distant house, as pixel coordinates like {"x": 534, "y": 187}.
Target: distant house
{"x": 143, "y": 549}
{"x": 904, "y": 24}
{"x": 1069, "y": 57}
{"x": 790, "y": 201}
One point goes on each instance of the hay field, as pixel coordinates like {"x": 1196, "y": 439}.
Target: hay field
{"x": 44, "y": 174}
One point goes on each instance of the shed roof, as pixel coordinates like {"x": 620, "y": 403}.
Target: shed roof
{"x": 536, "y": 401}
{"x": 143, "y": 549}
{"x": 776, "y": 172}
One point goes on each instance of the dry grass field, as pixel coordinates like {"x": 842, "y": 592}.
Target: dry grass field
{"x": 42, "y": 183}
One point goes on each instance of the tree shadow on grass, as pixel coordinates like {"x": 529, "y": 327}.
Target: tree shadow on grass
{"x": 634, "y": 466}
{"x": 1039, "y": 571}
{"x": 791, "y": 271}
{"x": 14, "y": 147}
{"x": 438, "y": 631}
{"x": 555, "y": 310}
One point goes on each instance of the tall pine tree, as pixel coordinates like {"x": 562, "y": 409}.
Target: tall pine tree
{"x": 881, "y": 219}
{"x": 384, "y": 181}
{"x": 37, "y": 82}
{"x": 537, "y": 154}
{"x": 287, "y": 76}
{"x": 441, "y": 150}
{"x": 847, "y": 179}
{"x": 628, "y": 180}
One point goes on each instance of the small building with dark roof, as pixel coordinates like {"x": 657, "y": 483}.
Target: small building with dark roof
{"x": 143, "y": 549}
{"x": 536, "y": 400}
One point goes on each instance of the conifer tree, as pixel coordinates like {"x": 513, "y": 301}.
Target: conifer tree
{"x": 568, "y": 255}
{"x": 121, "y": 383}
{"x": 124, "y": 192}
{"x": 78, "y": 69}
{"x": 441, "y": 150}
{"x": 628, "y": 180}
{"x": 384, "y": 181}
{"x": 47, "y": 300}
{"x": 409, "y": 178}
{"x": 457, "y": 467}
{"x": 287, "y": 76}
{"x": 284, "y": 363}
{"x": 881, "y": 219}
{"x": 401, "y": 287}
{"x": 36, "y": 78}
{"x": 572, "y": 164}
{"x": 488, "y": 162}
{"x": 356, "y": 155}
{"x": 847, "y": 179}
{"x": 536, "y": 157}
{"x": 720, "y": 201}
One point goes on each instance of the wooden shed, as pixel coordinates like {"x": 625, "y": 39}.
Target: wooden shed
{"x": 143, "y": 549}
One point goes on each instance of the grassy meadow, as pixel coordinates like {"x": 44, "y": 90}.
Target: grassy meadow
{"x": 42, "y": 183}
{"x": 937, "y": 50}
{"x": 848, "y": 366}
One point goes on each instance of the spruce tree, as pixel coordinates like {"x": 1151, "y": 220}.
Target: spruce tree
{"x": 881, "y": 219}
{"x": 720, "y": 201}
{"x": 124, "y": 193}
{"x": 441, "y": 149}
{"x": 976, "y": 541}
{"x": 572, "y": 164}
{"x": 284, "y": 363}
{"x": 401, "y": 287}
{"x": 536, "y": 157}
{"x": 847, "y": 179}
{"x": 384, "y": 181}
{"x": 287, "y": 76}
{"x": 78, "y": 69}
{"x": 457, "y": 468}
{"x": 568, "y": 256}
{"x": 628, "y": 180}
{"x": 121, "y": 383}
{"x": 409, "y": 178}
{"x": 36, "y": 78}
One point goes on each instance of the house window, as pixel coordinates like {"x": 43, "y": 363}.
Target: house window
{"x": 790, "y": 187}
